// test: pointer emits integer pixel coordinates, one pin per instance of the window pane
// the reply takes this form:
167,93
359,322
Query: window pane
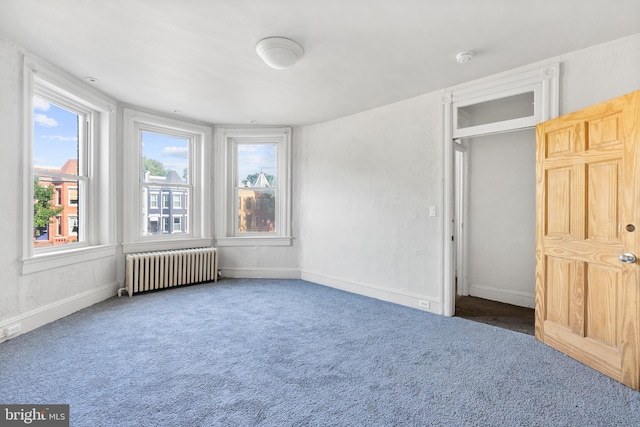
256,176
56,201
55,137
165,177
256,210
158,216
257,165
496,110
165,158
55,223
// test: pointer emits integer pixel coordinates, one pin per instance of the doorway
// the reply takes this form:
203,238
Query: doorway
494,229
506,102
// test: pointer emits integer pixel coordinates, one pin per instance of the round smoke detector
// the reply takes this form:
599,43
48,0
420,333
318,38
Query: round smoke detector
464,57
279,52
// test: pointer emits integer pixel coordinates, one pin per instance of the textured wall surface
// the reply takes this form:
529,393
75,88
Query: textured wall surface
366,183
599,73
10,86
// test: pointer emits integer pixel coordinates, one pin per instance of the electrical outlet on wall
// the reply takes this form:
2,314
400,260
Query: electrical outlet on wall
423,304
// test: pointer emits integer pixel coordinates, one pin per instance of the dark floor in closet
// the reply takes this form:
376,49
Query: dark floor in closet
495,313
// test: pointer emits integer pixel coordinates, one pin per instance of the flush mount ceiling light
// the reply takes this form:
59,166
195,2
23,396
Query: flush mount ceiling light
279,52
464,57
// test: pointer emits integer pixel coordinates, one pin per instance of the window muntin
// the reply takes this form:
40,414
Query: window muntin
165,170
59,157
256,191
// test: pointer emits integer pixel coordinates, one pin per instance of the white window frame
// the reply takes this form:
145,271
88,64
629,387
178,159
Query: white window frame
71,219
58,225
177,200
199,137
153,200
226,215
69,190
173,227
98,223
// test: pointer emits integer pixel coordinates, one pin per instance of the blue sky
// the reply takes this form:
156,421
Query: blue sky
171,151
55,134
254,158
55,140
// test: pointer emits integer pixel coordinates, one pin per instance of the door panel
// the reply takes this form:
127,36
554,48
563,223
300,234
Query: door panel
587,193
602,201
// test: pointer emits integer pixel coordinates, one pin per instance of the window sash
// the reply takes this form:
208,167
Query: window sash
80,192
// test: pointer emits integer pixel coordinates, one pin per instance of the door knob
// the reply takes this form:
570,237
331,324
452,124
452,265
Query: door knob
628,258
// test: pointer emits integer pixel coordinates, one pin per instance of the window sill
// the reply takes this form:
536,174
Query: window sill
165,244
253,241
63,258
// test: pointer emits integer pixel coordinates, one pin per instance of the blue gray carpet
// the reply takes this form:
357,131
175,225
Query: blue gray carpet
291,353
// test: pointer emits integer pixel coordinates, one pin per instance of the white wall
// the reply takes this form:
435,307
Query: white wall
501,224
37,298
260,261
599,73
366,182
365,185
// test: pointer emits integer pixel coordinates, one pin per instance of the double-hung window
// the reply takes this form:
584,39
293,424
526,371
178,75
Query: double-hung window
255,186
167,183
68,172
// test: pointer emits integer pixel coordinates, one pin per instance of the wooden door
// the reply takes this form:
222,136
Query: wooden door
587,216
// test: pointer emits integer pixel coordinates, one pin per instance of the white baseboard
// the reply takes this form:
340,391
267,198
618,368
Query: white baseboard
378,292
260,273
46,314
519,298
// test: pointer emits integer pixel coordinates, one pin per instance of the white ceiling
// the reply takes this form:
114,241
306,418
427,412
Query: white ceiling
198,56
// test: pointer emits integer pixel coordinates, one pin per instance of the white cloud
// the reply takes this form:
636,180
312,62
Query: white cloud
44,120
244,148
176,151
60,138
40,104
